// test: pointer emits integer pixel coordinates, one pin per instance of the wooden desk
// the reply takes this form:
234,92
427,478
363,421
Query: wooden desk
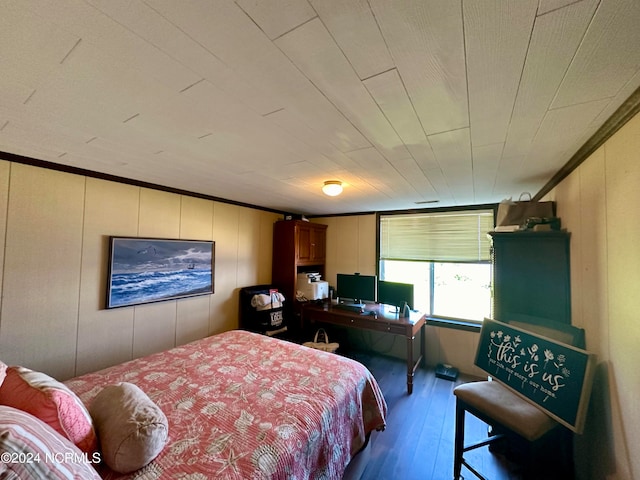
380,321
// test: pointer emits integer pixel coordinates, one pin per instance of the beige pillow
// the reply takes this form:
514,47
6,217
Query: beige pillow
131,428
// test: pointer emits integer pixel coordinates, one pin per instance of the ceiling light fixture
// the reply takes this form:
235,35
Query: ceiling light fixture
332,188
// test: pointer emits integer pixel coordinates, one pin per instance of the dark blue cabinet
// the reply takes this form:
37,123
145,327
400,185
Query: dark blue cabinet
531,275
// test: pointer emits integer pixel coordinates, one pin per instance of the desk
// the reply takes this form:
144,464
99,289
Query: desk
381,321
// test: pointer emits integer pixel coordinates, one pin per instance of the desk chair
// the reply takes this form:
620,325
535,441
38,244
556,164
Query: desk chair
510,416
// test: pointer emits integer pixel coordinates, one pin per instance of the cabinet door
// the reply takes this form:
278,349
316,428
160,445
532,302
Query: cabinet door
303,243
318,244
532,276
310,244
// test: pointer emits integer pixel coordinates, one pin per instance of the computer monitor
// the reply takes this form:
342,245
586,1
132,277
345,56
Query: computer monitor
356,287
395,294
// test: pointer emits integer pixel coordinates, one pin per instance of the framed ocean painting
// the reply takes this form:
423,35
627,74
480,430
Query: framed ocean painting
144,270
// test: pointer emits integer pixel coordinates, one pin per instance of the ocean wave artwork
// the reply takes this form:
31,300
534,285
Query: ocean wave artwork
150,270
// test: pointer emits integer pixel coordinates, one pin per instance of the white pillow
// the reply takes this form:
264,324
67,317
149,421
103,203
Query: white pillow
3,371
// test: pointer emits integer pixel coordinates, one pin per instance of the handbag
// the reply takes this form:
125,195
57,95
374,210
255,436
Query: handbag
512,213
321,342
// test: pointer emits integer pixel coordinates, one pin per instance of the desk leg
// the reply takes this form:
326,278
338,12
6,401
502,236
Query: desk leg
411,365
423,342
410,368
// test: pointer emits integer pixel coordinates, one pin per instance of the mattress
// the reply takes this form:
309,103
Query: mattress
246,406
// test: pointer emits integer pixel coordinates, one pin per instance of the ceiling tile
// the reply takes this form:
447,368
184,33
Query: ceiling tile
261,102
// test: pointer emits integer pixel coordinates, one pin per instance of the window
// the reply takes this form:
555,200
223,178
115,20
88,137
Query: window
445,254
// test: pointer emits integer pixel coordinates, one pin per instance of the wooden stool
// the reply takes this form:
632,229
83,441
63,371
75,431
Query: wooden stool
510,415
497,406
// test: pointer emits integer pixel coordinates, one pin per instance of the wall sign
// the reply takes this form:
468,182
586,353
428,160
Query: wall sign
555,376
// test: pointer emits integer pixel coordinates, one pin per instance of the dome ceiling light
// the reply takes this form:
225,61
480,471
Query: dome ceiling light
332,188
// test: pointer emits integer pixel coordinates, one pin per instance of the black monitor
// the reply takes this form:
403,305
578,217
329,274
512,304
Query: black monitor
356,287
395,294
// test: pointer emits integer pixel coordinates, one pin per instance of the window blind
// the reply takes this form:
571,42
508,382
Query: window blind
456,236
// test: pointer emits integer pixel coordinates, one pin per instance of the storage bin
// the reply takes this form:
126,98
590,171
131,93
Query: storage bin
262,310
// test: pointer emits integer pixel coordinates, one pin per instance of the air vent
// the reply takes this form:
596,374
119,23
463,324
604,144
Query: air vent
425,202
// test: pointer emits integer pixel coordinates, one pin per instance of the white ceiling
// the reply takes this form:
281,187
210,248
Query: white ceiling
260,101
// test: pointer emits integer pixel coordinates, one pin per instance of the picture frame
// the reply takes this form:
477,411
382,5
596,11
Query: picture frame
146,270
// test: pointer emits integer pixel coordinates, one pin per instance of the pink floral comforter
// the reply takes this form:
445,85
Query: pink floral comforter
246,406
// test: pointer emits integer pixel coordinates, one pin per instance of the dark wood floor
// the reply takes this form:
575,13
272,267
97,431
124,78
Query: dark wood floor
418,440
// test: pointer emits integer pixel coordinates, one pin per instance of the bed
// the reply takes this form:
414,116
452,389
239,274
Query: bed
240,405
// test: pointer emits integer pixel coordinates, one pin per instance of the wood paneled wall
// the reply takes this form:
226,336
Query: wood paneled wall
54,231
598,204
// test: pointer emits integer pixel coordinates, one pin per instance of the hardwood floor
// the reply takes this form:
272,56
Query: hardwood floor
418,440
